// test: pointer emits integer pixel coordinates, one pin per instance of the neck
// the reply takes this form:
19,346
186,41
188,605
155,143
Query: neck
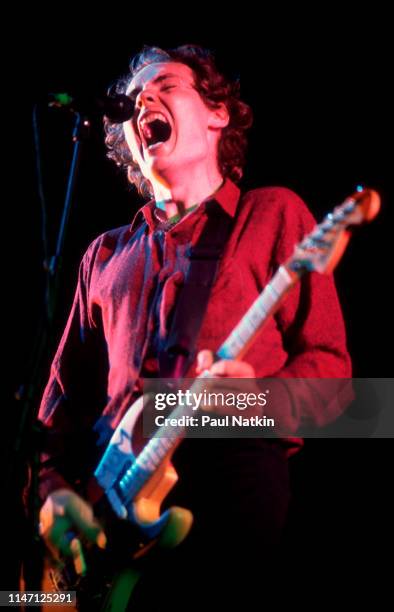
182,192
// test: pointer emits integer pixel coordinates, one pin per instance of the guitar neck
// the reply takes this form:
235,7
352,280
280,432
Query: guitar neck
267,303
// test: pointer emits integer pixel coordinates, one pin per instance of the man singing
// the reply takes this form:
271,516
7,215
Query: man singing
184,150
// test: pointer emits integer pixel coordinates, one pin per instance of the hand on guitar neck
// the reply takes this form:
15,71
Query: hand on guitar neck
227,368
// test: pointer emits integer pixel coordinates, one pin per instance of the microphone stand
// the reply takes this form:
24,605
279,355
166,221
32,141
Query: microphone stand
27,440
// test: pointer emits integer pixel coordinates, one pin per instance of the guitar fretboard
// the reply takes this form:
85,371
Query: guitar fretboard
258,314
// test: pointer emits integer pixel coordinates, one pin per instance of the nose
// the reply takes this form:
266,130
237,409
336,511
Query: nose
144,98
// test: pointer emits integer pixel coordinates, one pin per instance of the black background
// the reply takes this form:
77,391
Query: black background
319,87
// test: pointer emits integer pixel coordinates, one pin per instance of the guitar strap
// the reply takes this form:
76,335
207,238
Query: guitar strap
178,352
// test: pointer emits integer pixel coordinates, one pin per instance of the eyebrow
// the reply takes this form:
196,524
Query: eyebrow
158,79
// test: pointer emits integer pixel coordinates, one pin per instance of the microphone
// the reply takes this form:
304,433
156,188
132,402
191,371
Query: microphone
117,107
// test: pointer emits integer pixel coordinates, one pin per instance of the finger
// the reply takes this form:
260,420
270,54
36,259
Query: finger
82,516
204,361
231,368
78,557
47,517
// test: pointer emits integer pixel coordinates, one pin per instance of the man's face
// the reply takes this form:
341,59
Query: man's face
172,128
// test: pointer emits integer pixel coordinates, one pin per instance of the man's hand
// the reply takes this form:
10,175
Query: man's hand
65,512
228,368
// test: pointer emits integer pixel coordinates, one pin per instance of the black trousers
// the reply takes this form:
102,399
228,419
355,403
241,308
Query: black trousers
238,491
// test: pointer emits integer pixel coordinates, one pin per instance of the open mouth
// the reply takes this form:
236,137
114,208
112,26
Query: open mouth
154,129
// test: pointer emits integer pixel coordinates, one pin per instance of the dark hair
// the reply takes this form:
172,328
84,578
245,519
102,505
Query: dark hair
213,87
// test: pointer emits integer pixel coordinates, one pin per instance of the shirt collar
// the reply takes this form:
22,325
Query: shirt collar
227,196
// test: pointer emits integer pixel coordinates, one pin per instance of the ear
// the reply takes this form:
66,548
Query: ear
219,117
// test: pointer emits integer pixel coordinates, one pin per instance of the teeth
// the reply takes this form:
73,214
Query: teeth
152,117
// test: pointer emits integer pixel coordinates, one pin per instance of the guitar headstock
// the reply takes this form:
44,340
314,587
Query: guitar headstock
321,250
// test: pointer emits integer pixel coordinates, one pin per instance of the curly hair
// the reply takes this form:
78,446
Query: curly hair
213,87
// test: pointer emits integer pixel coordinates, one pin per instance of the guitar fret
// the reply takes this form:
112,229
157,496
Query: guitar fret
164,444
271,287
242,332
254,316
133,480
155,453
146,461
268,301
250,324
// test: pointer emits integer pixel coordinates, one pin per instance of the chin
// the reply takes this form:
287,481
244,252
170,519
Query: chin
159,166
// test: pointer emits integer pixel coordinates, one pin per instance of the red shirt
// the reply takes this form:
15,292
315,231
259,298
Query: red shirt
127,287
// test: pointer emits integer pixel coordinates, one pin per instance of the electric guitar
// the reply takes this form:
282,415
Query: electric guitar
133,482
